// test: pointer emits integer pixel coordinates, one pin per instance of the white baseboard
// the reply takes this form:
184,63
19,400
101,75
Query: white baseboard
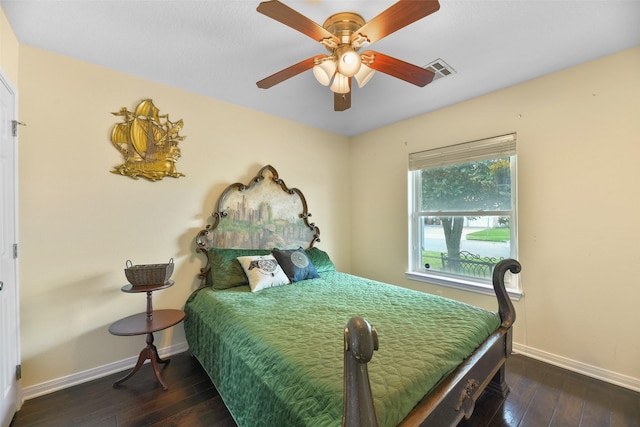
95,373
579,367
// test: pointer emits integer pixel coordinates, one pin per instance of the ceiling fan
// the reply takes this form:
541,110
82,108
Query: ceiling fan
343,34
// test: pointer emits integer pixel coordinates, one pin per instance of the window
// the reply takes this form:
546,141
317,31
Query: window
463,213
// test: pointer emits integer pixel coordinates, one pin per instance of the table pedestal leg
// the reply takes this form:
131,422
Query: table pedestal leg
149,352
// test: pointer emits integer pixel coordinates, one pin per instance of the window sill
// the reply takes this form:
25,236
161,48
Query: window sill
460,284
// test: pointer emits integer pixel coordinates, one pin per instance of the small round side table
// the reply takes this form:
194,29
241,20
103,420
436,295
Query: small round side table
147,323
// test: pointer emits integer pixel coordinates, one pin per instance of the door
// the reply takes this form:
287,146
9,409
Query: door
9,302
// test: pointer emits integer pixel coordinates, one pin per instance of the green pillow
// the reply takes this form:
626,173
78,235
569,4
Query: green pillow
320,260
226,272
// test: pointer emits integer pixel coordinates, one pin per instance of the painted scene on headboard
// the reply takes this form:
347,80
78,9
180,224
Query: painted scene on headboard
263,214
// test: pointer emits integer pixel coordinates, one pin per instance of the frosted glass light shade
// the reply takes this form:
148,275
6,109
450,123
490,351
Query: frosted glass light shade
324,71
348,61
364,74
340,84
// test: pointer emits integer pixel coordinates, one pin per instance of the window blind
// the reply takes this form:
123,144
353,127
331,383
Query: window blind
482,149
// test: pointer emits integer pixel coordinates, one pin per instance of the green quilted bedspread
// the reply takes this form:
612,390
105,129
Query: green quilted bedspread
276,356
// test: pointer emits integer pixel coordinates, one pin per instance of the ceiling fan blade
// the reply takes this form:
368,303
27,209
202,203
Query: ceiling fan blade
287,16
402,70
397,16
341,101
289,72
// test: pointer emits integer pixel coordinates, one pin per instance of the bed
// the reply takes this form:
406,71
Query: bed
289,341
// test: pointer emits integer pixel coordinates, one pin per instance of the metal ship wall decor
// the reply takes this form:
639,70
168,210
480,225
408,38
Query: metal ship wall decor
148,141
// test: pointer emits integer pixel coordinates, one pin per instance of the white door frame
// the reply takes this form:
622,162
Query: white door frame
10,357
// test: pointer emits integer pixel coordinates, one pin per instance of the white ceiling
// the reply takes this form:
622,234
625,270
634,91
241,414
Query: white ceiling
220,48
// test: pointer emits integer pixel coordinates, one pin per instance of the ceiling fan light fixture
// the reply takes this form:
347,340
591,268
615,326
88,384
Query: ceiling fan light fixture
324,71
340,84
343,34
364,74
348,60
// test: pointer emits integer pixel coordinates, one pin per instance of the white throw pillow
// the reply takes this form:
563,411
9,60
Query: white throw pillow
263,271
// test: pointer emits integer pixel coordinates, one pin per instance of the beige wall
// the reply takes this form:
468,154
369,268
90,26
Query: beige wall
79,223
578,198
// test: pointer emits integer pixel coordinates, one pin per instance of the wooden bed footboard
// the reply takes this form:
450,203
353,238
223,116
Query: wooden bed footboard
453,398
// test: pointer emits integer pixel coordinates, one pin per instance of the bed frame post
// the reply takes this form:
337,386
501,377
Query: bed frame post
360,341
498,383
505,307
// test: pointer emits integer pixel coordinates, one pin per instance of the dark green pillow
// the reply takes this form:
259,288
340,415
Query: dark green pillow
320,260
226,272
296,264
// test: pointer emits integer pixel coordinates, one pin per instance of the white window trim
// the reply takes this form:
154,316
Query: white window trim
432,158
513,289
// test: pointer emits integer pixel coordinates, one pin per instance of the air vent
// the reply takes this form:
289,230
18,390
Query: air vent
440,68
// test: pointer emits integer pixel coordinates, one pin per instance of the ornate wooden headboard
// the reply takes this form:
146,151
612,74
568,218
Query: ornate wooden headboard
263,214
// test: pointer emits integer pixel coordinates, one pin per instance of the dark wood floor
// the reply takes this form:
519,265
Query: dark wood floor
541,395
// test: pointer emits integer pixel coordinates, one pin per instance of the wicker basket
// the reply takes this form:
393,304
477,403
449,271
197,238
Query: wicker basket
148,274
